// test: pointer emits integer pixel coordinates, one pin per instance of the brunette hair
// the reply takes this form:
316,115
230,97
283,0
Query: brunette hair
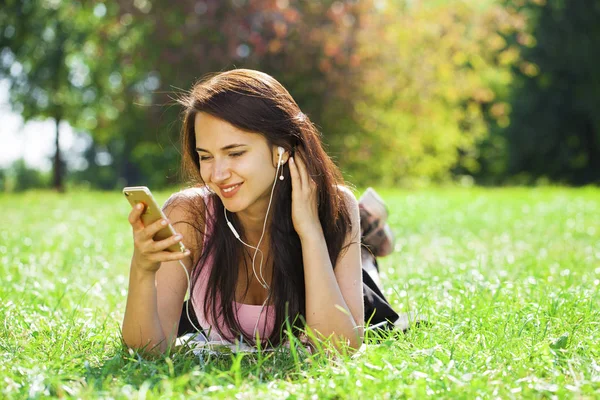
255,102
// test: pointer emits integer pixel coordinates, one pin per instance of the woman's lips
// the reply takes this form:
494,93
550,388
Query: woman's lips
230,191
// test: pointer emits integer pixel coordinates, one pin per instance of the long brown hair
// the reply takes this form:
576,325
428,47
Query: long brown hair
255,102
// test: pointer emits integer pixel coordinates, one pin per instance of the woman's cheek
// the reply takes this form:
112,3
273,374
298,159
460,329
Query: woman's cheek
204,173
243,168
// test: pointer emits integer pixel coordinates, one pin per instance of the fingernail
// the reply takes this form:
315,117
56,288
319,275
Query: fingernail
163,222
292,159
178,237
139,206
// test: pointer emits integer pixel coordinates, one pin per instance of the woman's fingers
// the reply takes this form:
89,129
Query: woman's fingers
163,256
303,171
304,178
165,243
308,184
144,239
296,181
135,217
154,227
148,253
151,248
305,214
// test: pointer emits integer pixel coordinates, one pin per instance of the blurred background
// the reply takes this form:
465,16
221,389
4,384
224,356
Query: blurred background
406,93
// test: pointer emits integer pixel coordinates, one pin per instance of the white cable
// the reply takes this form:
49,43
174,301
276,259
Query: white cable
258,245
259,314
256,249
264,283
187,307
265,224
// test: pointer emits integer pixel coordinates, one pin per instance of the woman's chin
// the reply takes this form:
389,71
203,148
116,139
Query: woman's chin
232,205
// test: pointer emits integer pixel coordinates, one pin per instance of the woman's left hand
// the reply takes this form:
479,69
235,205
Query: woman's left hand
305,208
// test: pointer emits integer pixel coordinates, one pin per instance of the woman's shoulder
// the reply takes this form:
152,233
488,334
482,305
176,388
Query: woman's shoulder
187,195
186,202
186,210
350,202
347,195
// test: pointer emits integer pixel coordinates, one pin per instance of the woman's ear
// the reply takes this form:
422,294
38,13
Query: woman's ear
285,155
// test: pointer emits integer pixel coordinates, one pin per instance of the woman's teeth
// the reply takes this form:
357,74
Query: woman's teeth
231,188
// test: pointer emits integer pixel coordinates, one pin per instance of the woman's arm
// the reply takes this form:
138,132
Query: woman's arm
156,293
334,302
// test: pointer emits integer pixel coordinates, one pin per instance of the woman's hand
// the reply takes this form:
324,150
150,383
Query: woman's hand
305,208
149,254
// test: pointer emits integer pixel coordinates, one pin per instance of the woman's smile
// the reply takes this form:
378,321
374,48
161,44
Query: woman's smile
228,191
239,166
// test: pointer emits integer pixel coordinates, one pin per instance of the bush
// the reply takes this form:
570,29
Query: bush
426,77
19,177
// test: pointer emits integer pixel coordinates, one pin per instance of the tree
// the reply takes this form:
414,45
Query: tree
305,45
60,65
35,45
554,127
426,75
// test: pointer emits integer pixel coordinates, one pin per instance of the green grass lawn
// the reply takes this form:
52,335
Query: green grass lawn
509,279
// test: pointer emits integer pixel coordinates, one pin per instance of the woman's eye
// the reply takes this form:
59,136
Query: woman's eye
239,153
204,158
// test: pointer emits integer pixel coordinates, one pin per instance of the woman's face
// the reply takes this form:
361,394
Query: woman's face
238,166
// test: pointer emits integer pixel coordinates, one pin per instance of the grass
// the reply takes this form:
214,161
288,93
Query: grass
508,277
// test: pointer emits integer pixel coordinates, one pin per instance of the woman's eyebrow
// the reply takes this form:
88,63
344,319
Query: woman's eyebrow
228,147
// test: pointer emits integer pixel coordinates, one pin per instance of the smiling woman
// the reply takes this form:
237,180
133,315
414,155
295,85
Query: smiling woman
230,158
273,234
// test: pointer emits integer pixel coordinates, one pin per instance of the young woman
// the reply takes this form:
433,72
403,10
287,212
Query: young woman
273,236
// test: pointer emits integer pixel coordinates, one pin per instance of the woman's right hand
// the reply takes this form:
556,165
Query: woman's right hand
148,254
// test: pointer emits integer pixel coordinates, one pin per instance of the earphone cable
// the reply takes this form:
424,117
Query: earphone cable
187,305
257,250
265,224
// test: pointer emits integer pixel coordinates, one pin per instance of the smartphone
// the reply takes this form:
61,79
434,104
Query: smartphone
152,213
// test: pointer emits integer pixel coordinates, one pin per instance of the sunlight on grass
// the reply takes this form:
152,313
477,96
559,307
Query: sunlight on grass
508,279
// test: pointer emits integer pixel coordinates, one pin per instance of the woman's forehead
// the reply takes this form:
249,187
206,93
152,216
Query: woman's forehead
213,133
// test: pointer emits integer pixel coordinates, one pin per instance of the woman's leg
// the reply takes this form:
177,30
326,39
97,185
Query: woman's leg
378,311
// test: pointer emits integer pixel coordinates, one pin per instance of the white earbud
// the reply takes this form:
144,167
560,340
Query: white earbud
280,151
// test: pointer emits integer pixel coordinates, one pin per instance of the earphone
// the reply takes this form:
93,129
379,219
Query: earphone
261,280
280,151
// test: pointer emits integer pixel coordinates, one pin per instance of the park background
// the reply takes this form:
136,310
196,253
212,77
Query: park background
475,120
406,93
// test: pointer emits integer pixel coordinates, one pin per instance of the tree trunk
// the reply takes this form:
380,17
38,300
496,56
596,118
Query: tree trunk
58,184
592,175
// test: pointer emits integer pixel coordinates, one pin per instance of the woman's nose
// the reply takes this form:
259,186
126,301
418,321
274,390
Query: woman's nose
220,171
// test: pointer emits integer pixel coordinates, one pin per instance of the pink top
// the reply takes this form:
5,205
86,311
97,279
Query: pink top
247,314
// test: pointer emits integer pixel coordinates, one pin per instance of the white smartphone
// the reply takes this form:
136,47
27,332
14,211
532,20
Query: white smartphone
152,213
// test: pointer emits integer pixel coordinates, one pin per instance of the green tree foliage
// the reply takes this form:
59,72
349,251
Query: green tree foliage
426,75
554,129
3,181
398,83
400,90
41,57
305,45
62,63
